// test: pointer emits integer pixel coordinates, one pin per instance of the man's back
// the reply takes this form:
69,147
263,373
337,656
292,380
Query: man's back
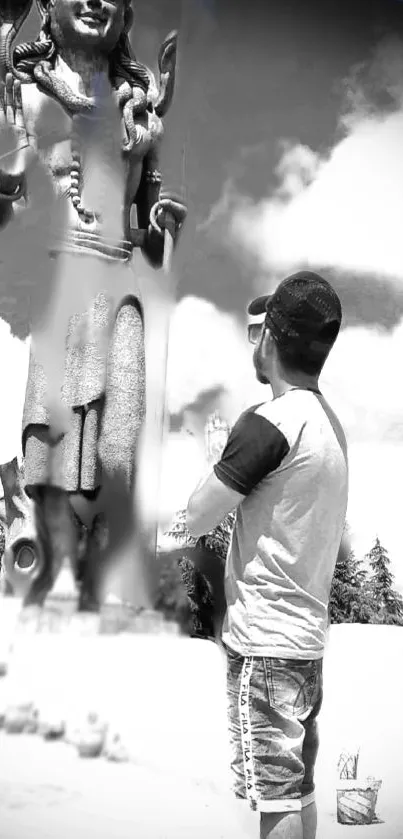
284,469
288,527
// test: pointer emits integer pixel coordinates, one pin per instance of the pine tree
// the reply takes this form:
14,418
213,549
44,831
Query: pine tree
349,600
388,602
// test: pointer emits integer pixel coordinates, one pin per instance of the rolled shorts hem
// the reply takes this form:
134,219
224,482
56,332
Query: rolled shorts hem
281,805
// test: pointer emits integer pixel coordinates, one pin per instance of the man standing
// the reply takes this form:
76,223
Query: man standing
285,470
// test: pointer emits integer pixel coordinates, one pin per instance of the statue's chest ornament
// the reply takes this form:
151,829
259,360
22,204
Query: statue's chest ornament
76,182
141,129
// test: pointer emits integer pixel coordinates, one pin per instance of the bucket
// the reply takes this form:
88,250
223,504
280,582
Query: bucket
356,801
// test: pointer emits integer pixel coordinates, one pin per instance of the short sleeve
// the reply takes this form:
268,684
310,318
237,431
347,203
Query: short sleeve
255,448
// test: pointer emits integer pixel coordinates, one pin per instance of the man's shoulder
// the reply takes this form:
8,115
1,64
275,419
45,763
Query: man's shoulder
335,423
255,447
260,416
297,410
279,415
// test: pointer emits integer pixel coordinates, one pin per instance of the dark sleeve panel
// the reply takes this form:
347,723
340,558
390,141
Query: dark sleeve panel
255,448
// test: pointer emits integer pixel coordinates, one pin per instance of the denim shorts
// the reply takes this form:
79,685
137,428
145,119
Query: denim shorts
273,705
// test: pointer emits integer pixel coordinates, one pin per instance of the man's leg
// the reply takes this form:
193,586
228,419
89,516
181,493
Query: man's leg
290,825
272,710
281,826
267,769
309,754
309,816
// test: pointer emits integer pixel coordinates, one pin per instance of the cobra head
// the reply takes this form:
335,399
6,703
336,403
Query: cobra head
12,16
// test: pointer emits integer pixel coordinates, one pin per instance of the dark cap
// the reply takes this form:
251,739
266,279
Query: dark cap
304,313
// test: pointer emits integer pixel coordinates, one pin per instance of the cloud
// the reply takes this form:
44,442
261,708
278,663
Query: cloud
362,381
208,350
296,170
210,366
342,211
339,208
376,86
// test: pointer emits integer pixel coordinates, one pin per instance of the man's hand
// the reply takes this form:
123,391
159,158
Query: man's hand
217,433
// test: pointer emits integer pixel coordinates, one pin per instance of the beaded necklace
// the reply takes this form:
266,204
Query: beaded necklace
76,180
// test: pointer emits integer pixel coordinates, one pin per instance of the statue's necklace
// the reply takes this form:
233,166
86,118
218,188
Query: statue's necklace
87,216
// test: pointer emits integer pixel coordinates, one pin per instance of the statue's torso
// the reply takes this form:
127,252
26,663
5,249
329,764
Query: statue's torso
111,192
108,183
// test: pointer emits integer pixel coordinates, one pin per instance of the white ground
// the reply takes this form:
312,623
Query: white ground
167,698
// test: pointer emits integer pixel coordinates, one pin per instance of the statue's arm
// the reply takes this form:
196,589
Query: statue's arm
148,194
157,210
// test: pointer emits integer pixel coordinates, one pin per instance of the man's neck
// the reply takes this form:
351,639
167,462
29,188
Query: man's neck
280,385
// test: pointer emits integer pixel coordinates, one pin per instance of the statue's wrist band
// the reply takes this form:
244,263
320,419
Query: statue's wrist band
154,226
155,230
153,176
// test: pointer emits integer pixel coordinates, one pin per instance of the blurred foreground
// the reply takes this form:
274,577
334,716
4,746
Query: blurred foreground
166,697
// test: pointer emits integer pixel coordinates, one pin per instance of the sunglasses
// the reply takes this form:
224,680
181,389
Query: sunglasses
255,331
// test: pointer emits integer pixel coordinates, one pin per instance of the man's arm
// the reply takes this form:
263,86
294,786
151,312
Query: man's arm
209,504
255,448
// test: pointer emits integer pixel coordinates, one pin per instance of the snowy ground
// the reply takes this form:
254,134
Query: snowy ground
167,697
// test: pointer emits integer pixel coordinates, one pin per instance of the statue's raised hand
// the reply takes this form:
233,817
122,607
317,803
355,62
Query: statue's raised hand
16,147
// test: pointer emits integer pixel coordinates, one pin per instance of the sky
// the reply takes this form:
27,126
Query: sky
285,135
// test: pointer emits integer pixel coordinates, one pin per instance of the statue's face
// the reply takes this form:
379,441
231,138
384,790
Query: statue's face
96,24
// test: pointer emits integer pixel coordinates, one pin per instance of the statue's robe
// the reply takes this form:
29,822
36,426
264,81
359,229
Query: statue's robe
107,402
105,391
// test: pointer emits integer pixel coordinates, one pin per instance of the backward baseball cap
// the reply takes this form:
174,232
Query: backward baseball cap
304,314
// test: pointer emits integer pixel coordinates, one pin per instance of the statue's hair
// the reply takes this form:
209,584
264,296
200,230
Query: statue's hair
123,65
132,80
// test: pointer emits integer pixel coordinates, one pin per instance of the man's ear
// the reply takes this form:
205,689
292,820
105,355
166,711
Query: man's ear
268,342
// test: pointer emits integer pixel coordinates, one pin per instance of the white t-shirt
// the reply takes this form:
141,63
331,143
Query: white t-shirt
288,457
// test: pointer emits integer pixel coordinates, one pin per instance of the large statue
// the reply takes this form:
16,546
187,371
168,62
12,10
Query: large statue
83,47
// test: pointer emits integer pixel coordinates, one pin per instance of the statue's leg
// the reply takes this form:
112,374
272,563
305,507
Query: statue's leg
69,463
92,564
122,420
58,533
51,468
125,402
